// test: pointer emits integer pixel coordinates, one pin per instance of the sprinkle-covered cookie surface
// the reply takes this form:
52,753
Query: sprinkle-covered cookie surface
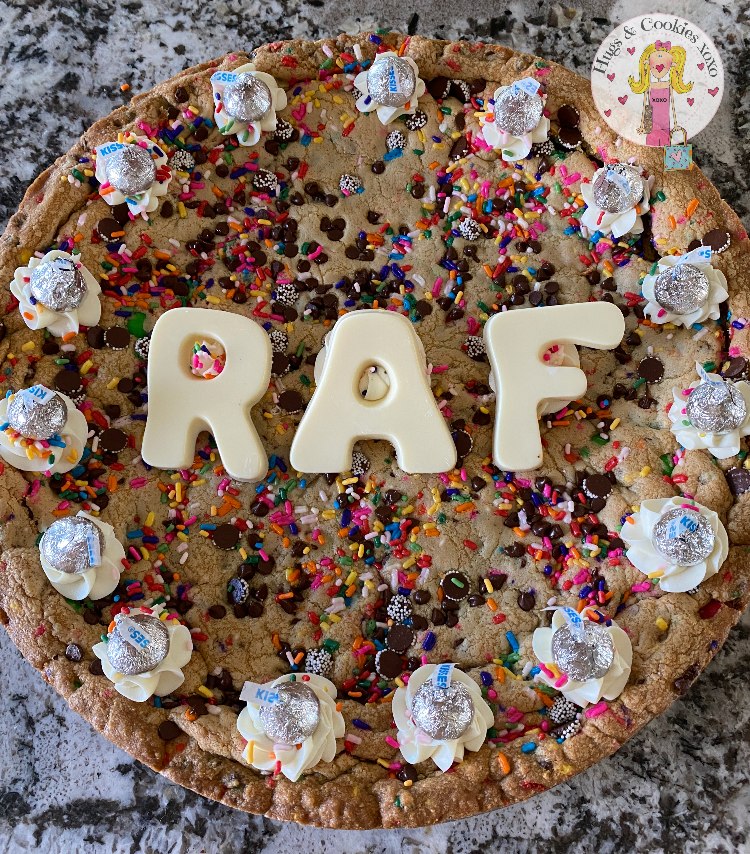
285,646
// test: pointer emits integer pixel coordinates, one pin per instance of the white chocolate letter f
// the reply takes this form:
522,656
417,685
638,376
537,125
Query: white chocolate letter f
180,404
515,342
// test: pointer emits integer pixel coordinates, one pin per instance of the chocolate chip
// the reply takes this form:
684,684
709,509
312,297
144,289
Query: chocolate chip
421,597
400,638
181,95
459,149
121,213
526,600
291,401
738,480
378,167
73,652
95,337
217,612
389,664
112,441
168,730
651,369
95,668
167,209
225,536
50,347
197,705
682,683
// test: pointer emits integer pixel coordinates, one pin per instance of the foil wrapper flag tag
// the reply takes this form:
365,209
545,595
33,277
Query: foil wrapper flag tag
93,549
527,84
575,623
132,632
259,695
37,395
441,678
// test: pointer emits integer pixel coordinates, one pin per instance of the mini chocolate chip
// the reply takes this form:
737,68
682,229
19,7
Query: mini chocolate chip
378,167
217,612
168,731
526,600
73,652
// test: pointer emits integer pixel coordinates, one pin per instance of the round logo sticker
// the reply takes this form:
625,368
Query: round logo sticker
657,80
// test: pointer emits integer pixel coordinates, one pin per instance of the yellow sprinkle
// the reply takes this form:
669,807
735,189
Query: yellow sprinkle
206,692
28,346
645,470
86,367
661,624
113,383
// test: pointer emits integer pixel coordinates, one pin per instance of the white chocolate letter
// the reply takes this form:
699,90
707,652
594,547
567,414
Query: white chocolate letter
338,414
180,404
515,342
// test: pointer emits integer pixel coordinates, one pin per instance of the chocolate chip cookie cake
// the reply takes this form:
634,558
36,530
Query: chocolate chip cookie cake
469,608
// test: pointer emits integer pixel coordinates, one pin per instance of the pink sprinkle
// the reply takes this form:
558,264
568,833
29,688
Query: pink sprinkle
561,681
641,587
595,711
264,555
547,672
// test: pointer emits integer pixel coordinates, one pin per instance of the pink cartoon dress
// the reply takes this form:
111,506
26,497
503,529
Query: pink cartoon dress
660,121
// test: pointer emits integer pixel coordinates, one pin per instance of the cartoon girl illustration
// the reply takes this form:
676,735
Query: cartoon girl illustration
661,67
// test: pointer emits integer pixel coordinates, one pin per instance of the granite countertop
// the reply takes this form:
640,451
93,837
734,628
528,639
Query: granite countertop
681,785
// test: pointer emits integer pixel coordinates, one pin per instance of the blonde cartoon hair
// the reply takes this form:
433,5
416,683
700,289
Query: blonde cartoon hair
675,72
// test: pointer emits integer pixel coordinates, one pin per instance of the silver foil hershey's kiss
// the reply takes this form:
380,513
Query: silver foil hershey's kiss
443,713
681,289
295,717
589,657
683,536
132,659
716,407
516,111
58,284
65,544
247,98
391,81
618,188
131,169
36,420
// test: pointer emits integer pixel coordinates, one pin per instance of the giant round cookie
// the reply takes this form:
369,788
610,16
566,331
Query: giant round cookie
280,576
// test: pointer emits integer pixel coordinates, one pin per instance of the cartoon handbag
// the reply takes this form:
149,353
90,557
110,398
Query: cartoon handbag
678,156
647,117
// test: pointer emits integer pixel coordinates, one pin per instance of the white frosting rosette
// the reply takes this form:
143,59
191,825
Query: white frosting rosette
627,222
513,147
138,203
295,759
248,133
56,455
721,445
36,315
607,687
97,581
366,103
638,531
717,292
416,745
164,678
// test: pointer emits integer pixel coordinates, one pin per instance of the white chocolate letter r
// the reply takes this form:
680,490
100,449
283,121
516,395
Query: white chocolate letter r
515,342
180,404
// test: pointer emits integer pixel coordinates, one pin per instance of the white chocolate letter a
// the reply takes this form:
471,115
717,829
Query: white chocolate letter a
515,342
406,416
180,404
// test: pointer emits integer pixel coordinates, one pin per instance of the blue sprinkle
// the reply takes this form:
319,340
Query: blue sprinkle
513,641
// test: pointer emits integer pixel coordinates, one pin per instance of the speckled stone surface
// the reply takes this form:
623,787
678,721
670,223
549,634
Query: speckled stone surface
681,785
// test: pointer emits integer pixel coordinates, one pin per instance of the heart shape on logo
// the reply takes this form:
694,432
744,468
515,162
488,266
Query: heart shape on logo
713,92
691,101
701,66
610,77
659,67
677,156
631,50
608,113
622,99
